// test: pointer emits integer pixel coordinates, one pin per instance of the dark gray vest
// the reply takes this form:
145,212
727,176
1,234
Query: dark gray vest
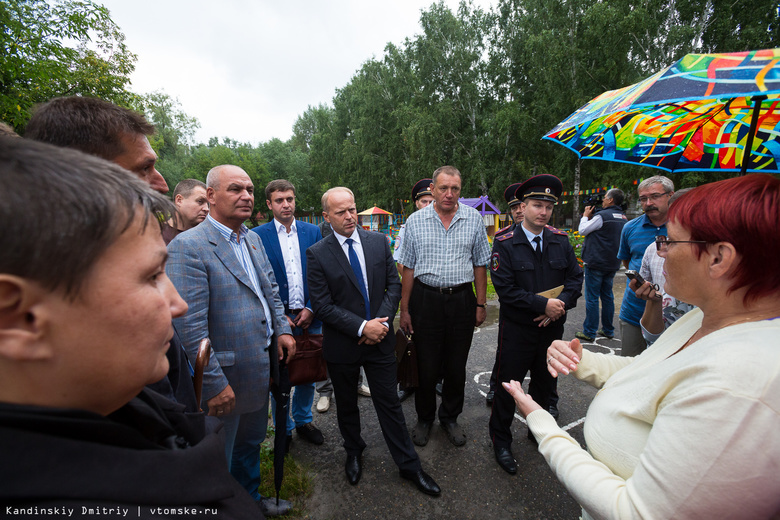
601,247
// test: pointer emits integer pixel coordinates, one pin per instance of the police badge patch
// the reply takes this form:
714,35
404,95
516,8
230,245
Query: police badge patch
494,261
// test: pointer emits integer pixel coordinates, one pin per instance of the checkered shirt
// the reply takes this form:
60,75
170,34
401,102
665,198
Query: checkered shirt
445,257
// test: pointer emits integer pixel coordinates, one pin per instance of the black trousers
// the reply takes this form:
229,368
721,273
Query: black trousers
443,328
521,348
381,374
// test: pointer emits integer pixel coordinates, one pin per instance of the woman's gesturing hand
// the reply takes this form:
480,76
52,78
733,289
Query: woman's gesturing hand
563,356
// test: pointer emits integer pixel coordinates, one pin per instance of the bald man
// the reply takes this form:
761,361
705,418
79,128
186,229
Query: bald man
222,272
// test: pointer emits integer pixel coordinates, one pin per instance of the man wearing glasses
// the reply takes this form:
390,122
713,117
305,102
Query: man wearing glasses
654,195
662,309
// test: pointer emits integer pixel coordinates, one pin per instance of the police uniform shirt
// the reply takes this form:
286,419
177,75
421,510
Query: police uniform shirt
518,278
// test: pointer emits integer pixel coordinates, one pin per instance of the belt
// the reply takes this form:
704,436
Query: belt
444,290
294,311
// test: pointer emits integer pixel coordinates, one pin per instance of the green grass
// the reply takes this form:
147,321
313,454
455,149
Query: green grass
296,485
491,291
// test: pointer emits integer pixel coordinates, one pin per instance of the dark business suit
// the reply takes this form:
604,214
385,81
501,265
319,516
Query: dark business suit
338,302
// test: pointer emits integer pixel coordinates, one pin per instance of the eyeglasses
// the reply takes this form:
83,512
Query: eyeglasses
653,196
662,242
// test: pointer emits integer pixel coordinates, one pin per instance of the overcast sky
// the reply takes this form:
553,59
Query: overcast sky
247,69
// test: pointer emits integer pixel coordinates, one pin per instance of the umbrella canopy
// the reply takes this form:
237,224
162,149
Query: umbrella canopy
702,113
374,211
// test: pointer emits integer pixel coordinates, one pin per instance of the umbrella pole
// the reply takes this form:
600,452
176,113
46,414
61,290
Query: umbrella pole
747,155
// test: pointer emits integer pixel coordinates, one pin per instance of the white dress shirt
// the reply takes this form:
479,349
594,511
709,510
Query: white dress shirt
291,253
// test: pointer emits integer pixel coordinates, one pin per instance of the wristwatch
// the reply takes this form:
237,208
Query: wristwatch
481,305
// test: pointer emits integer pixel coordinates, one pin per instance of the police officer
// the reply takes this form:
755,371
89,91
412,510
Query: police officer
422,196
516,212
537,278
515,205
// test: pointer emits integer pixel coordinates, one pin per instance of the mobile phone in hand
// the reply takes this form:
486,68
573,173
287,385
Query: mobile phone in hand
633,275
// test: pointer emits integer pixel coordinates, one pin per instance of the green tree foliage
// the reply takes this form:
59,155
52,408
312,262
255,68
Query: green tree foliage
314,133
59,48
286,161
179,159
478,89
174,128
475,88
175,132
201,158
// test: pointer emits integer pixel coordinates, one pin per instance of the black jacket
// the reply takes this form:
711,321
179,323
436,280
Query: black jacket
518,277
601,246
337,300
148,457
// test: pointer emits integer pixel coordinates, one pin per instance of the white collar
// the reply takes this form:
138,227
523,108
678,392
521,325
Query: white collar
280,227
354,236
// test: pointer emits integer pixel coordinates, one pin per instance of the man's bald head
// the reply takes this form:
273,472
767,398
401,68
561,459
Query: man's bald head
231,195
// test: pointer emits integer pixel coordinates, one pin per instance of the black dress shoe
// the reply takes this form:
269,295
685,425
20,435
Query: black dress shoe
423,481
405,393
554,411
489,397
506,460
353,468
310,433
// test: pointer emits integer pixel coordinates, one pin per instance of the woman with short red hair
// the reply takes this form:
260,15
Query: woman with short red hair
689,428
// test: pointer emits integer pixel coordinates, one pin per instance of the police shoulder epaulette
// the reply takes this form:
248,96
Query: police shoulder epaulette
504,229
557,231
505,236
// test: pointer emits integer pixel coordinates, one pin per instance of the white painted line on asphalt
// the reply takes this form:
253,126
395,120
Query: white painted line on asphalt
572,425
519,417
607,348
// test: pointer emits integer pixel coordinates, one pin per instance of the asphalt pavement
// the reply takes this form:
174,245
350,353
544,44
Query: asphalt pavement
473,485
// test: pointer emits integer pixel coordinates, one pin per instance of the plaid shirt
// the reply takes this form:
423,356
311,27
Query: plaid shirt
445,257
237,243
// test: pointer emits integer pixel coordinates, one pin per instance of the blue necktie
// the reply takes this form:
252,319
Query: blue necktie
354,262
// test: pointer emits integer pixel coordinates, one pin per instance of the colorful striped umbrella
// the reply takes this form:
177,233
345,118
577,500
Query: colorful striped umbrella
701,113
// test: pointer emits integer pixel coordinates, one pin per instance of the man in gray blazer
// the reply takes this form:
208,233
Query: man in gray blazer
354,289
222,272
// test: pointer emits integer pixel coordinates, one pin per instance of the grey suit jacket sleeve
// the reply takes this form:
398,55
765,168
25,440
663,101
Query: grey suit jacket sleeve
188,273
268,285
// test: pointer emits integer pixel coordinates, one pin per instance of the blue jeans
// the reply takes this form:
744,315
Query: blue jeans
243,436
598,284
302,396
